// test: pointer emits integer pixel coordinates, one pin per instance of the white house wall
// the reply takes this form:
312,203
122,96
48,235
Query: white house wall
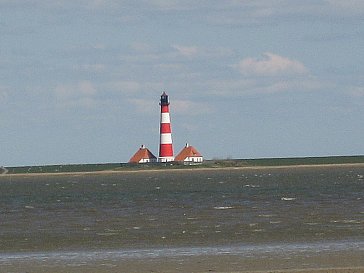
194,159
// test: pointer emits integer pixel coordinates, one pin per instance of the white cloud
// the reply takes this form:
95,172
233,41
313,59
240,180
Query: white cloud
141,47
125,86
226,87
142,53
271,65
63,91
187,51
166,5
182,107
81,102
357,91
169,67
98,68
140,58
82,88
348,5
99,3
3,95
147,106
230,12
235,88
294,85
202,52
86,88
80,94
263,12
187,107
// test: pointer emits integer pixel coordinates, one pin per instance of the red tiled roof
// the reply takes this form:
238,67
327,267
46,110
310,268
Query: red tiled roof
142,153
187,151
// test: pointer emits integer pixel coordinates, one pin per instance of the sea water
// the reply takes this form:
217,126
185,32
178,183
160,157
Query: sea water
198,212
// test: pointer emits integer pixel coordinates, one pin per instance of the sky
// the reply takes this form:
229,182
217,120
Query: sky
80,80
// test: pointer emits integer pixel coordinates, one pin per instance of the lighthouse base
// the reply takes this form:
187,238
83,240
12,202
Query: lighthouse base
165,159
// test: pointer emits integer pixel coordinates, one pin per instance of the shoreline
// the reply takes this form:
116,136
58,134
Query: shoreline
326,262
203,169
282,260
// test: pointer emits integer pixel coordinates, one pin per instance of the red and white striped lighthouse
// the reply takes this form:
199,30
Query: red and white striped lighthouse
165,144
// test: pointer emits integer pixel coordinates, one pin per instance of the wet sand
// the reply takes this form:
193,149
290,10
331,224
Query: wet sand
321,263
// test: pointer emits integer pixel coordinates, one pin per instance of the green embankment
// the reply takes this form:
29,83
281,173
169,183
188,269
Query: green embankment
174,165
63,168
301,161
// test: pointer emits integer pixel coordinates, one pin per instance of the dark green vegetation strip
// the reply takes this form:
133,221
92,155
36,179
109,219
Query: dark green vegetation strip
304,161
63,168
177,165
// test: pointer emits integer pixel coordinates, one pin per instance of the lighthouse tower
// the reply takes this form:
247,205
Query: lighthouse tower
165,144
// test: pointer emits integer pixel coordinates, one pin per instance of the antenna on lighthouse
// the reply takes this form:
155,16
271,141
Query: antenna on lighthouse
165,144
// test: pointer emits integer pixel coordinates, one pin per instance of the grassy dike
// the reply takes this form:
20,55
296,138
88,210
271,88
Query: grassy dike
268,162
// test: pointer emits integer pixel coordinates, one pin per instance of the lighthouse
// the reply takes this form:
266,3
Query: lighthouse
165,143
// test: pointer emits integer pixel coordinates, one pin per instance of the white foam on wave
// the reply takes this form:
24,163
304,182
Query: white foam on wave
288,198
258,230
311,223
106,233
352,221
222,208
267,215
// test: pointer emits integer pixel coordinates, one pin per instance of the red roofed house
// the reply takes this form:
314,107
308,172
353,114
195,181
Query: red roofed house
189,155
143,155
